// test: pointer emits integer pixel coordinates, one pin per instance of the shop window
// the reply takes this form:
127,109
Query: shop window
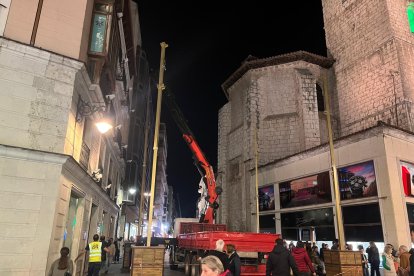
357,181
267,224
309,190
266,198
72,221
321,220
362,223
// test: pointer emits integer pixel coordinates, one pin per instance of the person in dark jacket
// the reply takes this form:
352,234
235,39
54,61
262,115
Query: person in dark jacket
373,258
280,261
234,260
219,253
302,259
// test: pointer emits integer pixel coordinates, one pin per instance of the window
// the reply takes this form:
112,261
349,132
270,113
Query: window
100,21
320,98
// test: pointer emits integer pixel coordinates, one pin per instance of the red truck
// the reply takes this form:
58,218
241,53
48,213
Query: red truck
193,238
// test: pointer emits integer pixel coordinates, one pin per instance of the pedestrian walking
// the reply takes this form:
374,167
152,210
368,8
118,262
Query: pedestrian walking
364,260
388,261
104,253
111,253
373,258
212,266
280,261
95,256
302,260
117,251
62,266
234,260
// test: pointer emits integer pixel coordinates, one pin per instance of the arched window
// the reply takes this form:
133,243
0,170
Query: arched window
320,99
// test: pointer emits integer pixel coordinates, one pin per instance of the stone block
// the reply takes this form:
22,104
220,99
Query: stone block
14,261
22,62
20,201
19,230
16,76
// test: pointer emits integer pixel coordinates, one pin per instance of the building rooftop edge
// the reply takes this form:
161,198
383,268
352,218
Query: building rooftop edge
252,62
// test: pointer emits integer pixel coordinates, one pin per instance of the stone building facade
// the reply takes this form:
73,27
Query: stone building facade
277,103
60,178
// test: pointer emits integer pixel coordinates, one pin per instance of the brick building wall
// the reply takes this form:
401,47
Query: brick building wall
372,45
279,103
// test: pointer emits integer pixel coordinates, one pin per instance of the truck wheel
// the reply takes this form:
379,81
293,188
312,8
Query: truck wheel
187,265
195,266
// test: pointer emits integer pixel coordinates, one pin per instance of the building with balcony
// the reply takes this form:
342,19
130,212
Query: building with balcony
63,68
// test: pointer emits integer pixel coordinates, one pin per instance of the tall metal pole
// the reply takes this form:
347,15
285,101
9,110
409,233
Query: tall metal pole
257,180
339,222
144,168
160,87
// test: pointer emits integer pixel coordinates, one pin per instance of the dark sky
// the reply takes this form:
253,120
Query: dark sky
207,43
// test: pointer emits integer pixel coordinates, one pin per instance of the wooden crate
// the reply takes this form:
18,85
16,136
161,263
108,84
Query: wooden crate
347,263
148,261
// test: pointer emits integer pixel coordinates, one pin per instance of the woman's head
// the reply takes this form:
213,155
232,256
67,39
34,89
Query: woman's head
211,266
64,259
64,252
402,249
388,249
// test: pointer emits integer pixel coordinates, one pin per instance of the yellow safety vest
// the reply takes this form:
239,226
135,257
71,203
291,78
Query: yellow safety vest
95,252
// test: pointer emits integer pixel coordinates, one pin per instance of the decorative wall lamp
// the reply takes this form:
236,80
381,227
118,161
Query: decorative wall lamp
85,109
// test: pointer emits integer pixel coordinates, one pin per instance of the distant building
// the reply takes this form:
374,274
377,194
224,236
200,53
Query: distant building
63,68
278,102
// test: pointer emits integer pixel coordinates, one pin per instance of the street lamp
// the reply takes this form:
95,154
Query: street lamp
85,109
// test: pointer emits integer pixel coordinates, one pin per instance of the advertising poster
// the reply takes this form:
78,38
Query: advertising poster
266,198
407,174
309,190
357,181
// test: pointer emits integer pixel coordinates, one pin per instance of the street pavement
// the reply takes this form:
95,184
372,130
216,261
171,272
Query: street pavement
115,269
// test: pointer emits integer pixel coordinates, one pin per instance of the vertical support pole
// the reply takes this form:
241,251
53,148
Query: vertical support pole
339,222
257,180
160,87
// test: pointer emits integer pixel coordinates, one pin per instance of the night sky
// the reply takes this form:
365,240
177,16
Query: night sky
207,43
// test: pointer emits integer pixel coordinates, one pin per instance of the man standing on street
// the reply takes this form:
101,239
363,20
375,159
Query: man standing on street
373,258
95,255
280,261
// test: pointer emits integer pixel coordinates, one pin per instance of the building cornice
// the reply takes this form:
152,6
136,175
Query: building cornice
253,63
381,128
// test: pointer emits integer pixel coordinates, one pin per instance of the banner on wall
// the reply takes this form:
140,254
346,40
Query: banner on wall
407,175
357,181
266,198
315,189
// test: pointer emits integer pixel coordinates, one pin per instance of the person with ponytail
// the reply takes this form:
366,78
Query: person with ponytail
62,266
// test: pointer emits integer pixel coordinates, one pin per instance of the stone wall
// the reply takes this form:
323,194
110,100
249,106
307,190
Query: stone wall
275,107
373,48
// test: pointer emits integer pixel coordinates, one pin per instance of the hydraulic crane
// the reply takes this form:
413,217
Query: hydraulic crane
208,189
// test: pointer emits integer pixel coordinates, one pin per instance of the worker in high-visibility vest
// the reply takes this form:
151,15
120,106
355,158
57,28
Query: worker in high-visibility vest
95,255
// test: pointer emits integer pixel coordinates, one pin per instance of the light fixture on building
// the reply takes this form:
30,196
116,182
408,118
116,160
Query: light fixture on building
147,194
97,175
132,191
85,109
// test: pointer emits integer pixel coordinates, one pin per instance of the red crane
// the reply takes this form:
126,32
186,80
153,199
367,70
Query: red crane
207,213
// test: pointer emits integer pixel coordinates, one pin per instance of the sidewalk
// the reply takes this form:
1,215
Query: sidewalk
115,269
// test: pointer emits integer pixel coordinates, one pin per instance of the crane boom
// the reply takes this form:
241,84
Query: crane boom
207,215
